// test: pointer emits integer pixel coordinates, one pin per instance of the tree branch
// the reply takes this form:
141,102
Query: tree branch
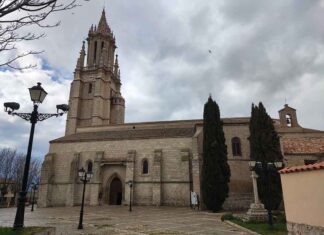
31,12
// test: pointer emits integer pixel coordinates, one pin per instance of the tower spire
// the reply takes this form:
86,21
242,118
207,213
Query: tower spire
103,25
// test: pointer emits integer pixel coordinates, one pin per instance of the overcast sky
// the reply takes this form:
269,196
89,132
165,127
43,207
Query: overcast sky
173,54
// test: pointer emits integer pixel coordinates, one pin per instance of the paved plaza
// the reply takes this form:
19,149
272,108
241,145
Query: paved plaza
118,220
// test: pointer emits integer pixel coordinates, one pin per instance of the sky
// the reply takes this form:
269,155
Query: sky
173,54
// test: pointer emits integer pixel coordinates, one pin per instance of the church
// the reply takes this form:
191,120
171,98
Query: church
162,159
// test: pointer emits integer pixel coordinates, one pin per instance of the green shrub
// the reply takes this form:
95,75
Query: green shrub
227,216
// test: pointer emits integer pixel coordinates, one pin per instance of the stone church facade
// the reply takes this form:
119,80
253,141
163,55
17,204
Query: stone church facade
163,159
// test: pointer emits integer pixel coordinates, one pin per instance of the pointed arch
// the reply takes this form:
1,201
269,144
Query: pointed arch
145,166
111,182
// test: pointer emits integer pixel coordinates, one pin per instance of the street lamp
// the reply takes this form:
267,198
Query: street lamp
266,168
34,188
130,184
84,177
37,95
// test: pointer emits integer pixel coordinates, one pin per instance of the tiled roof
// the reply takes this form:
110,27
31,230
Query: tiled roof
316,166
127,134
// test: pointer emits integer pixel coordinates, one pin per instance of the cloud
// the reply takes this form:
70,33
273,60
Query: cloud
14,130
173,54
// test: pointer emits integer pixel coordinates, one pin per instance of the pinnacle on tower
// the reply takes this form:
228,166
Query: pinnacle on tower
116,66
80,62
103,25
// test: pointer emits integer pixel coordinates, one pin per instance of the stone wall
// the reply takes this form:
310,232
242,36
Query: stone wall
174,168
238,201
300,144
303,229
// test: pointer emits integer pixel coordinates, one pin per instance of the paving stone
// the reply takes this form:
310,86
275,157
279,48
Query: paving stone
118,220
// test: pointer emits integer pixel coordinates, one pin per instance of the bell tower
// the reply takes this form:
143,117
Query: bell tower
95,98
288,117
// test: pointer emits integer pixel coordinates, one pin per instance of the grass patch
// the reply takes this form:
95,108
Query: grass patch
278,228
103,226
23,231
263,228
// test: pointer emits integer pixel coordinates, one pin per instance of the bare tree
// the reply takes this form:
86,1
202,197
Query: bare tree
18,14
12,170
7,156
34,172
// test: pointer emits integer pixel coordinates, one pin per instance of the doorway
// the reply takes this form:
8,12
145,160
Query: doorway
115,192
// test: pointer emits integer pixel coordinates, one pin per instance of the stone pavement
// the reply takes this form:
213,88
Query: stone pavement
118,220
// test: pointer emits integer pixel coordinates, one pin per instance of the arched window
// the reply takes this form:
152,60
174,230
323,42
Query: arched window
236,146
90,88
145,167
89,166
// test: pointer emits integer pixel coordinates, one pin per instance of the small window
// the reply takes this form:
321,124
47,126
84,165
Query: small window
89,167
145,167
102,45
236,146
90,88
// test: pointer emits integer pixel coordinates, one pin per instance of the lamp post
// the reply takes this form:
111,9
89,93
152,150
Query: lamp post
84,177
130,184
37,95
34,188
266,168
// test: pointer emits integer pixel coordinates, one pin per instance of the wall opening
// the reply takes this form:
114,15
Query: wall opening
288,120
145,167
115,192
95,51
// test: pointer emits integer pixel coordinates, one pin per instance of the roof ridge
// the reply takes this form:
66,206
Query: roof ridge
291,169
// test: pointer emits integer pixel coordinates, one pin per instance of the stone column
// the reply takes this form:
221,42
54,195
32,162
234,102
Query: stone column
97,105
95,182
74,103
256,211
71,192
254,177
47,178
156,178
129,176
195,164
187,173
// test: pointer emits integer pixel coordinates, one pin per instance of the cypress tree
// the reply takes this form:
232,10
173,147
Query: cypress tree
265,147
215,169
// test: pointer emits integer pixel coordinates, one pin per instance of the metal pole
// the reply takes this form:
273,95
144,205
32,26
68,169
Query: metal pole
33,201
130,198
20,213
266,171
82,204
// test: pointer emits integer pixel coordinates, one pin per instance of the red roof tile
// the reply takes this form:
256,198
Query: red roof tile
290,169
